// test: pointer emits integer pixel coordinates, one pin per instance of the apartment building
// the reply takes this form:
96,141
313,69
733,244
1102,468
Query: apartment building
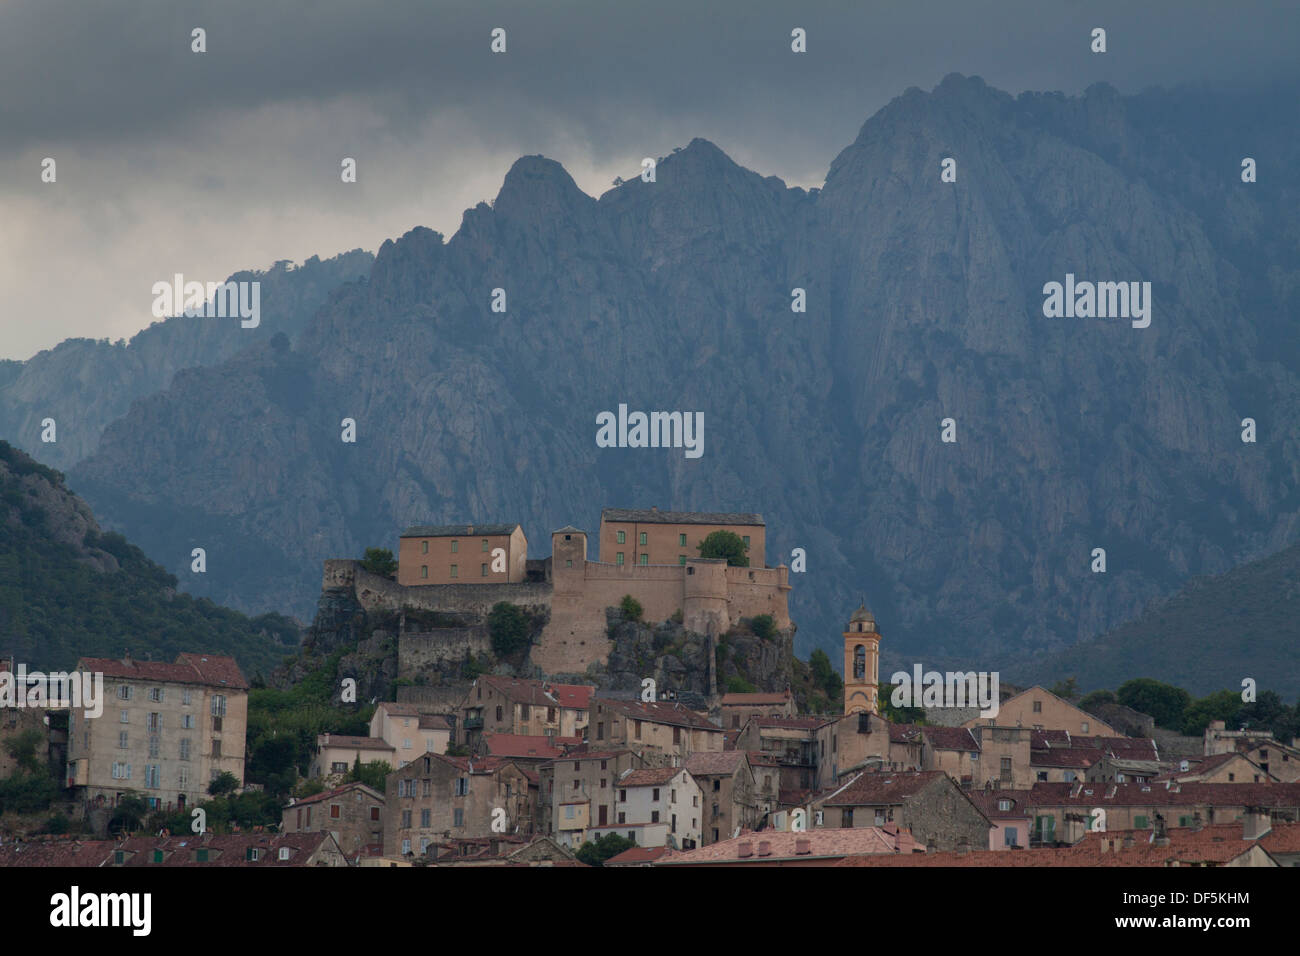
166,732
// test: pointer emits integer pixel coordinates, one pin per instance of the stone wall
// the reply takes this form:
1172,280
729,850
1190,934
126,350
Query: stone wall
419,651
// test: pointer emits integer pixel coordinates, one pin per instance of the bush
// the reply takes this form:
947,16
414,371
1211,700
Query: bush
379,561
738,685
596,852
508,626
224,783
631,608
763,626
726,544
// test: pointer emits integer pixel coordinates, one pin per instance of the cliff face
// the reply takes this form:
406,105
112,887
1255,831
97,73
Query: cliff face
924,302
84,384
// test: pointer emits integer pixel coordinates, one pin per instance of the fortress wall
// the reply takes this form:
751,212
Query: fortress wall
419,650
767,592
378,593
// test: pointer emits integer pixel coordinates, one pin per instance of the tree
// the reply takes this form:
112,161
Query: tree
24,792
379,561
631,608
726,544
23,749
1096,699
128,814
1065,689
738,685
372,774
1222,705
596,852
763,626
223,783
508,626
823,673
1164,702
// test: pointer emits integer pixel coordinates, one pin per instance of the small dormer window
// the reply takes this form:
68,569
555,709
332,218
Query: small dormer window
284,853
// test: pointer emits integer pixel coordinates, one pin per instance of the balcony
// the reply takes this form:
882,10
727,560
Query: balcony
473,723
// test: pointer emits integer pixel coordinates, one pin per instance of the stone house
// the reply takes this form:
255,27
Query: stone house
667,727
353,814
929,803
727,783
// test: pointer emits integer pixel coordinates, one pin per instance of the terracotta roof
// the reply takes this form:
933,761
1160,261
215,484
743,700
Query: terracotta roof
650,777
662,712
793,723
522,746
336,792
1128,748
872,788
655,516
575,696
749,847
742,700
637,856
396,709
225,849
904,733
1156,794
55,851
209,670
1076,758
950,738
705,764
434,722
988,800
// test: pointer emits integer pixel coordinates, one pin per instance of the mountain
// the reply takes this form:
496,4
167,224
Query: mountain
925,302
67,590
1209,636
84,384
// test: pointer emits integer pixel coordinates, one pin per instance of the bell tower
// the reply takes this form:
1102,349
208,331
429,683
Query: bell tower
861,663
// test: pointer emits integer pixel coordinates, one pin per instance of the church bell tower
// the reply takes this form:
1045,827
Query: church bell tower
861,663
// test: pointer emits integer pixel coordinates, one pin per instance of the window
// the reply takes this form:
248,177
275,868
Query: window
622,537
187,721
121,740
568,812
374,813
126,716
745,539
426,818
218,705
455,546
482,570
153,746
153,723
880,818
642,538
1010,837
681,540
681,559
151,776
124,692
654,816
424,547
1084,725
846,817
645,558
424,570
156,694
1004,805
1038,707
717,785
619,558
216,748
284,853
622,818
406,819
568,562
424,845
1042,776
523,711
622,796
186,697
340,766
201,856
406,848
455,571
656,794
458,817
604,782
157,856
426,789
462,786
334,811
1140,822
500,712
485,544
637,730
406,743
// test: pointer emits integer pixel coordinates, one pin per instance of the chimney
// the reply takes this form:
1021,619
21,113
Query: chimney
1255,823
802,847
1197,822
764,847
745,850
126,657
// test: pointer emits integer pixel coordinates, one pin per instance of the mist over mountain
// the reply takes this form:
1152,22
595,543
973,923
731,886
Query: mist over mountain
924,302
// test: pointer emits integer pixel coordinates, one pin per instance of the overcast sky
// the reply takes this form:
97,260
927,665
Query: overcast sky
171,161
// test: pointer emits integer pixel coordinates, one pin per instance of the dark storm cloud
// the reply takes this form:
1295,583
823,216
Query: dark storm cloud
172,161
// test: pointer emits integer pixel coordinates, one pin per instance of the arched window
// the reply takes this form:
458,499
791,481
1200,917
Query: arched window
859,663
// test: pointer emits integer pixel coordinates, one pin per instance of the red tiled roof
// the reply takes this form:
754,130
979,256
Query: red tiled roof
660,711
871,788
434,722
336,792
525,691
904,733
988,800
1078,758
1155,794
637,855
353,743
522,746
650,777
209,670
809,845
792,723
950,738
742,700
576,696
704,764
